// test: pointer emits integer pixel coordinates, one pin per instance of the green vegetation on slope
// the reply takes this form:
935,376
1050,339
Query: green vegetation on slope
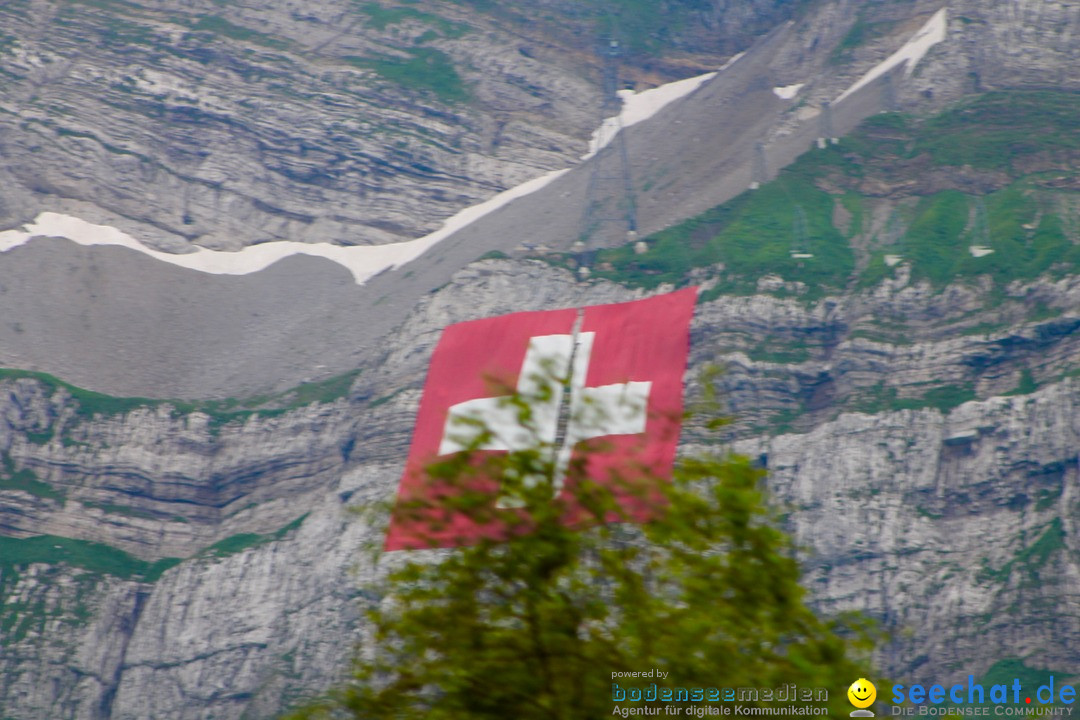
18,618
238,543
1025,138
107,560
22,614
861,32
426,69
1032,558
1004,671
1026,237
996,130
380,17
752,236
944,398
95,557
91,404
26,481
220,26
932,241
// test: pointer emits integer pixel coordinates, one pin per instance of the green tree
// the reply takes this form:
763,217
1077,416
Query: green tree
583,579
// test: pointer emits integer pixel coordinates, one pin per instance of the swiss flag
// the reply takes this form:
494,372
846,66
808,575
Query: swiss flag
627,359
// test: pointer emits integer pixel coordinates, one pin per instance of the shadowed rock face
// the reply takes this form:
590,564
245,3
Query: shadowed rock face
953,525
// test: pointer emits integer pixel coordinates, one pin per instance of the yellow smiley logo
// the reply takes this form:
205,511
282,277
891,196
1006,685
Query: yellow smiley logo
862,693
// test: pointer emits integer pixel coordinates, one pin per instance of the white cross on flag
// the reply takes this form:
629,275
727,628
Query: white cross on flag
625,365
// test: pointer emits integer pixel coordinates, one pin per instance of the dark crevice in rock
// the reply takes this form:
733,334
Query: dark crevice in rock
127,631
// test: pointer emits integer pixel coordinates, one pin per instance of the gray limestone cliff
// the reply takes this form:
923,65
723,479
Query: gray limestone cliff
348,122
192,559
263,603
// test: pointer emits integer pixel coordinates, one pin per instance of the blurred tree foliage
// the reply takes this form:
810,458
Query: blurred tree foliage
572,587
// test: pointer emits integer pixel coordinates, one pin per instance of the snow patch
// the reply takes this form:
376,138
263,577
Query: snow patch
787,92
641,106
910,54
363,261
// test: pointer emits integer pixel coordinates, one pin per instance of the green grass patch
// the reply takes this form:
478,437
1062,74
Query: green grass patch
643,27
1004,671
92,404
885,399
784,421
928,514
95,557
780,354
993,130
943,398
889,337
1041,311
989,132
238,543
1032,558
121,33
380,17
752,235
220,26
876,272
987,328
27,481
1048,498
755,233
861,32
40,438
1027,239
932,244
323,391
854,204
425,70
1026,386
385,398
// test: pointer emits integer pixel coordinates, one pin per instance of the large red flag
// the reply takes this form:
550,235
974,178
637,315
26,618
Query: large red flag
627,360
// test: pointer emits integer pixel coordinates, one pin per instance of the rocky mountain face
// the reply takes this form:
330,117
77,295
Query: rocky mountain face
226,124
957,519
229,125
909,381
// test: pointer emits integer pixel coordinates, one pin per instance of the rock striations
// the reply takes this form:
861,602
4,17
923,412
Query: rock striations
188,559
274,567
